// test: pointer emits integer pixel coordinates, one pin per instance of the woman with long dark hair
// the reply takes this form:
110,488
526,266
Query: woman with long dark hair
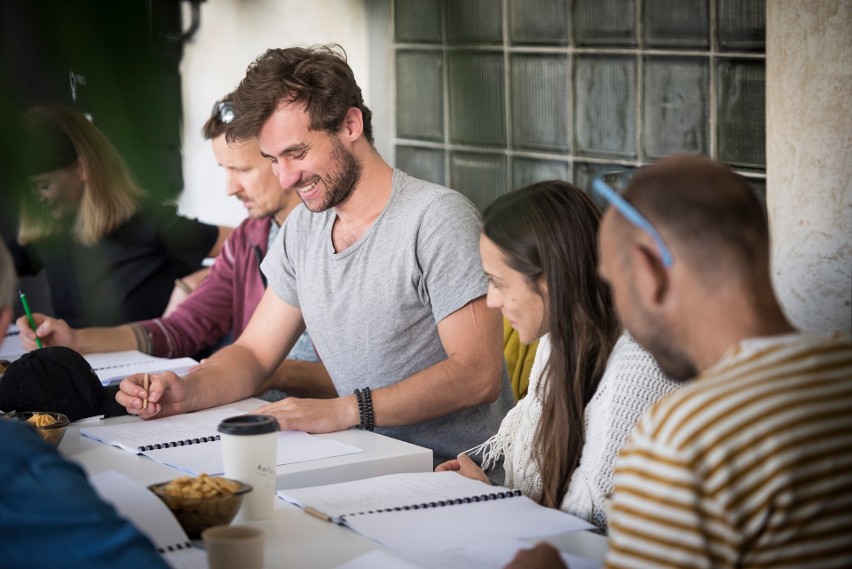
589,382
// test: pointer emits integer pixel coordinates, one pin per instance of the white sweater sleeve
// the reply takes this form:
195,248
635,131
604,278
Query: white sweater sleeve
631,383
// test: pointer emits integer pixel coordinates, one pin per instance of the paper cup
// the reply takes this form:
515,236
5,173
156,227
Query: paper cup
234,547
249,444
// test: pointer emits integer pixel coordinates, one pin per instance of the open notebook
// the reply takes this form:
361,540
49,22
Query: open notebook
190,442
110,367
418,513
151,517
10,346
115,366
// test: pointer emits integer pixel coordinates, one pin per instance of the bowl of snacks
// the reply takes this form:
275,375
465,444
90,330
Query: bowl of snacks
201,502
50,425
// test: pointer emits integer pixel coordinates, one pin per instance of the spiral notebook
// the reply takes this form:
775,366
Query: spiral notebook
112,367
190,442
150,516
431,511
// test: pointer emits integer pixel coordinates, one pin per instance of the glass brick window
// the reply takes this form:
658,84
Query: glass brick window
492,95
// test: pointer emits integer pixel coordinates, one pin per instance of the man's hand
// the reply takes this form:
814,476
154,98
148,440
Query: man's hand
167,395
465,466
314,415
51,331
542,556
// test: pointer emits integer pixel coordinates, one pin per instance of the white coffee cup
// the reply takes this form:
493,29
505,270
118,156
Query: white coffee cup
249,444
234,547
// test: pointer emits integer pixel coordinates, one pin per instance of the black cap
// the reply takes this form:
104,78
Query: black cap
56,379
249,425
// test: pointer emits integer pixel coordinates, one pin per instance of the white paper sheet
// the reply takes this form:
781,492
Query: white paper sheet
10,347
195,458
151,517
455,527
111,367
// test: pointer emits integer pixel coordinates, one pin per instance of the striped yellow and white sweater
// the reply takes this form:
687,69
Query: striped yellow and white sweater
749,465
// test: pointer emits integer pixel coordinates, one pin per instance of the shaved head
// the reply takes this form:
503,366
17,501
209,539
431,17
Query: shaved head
717,231
709,213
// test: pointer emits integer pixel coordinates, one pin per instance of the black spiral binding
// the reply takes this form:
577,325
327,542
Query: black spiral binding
175,547
442,503
185,442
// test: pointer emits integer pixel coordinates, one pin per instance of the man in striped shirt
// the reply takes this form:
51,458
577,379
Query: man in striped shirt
750,464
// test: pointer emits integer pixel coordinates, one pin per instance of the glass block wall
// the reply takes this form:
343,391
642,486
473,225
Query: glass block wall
492,95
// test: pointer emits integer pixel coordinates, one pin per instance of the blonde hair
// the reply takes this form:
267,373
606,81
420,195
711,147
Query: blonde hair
8,277
111,196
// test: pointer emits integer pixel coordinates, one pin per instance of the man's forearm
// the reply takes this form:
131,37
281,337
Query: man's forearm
436,391
299,378
113,339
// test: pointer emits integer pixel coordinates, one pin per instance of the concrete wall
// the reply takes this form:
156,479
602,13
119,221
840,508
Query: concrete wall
232,34
809,159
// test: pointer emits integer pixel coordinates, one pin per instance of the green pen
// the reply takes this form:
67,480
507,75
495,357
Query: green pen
29,315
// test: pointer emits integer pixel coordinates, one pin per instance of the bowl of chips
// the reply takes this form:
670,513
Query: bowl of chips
203,501
50,425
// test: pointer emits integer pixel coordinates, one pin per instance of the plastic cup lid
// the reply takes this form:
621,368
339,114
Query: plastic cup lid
249,425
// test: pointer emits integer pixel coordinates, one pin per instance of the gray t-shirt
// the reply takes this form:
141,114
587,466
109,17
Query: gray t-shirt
373,309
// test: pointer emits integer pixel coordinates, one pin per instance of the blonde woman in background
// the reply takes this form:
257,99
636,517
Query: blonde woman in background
111,254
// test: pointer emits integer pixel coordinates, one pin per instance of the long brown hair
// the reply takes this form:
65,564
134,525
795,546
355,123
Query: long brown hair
549,231
111,197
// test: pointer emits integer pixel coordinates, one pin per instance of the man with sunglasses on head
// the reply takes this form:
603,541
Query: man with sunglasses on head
383,268
750,463
224,301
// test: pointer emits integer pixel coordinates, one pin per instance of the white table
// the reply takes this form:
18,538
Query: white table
294,538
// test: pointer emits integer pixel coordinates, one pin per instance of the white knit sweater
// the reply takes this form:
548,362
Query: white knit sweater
631,383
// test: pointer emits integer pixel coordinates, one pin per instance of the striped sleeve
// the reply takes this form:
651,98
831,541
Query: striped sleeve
749,466
657,515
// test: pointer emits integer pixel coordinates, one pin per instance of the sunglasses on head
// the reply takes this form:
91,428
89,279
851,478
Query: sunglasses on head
224,110
605,190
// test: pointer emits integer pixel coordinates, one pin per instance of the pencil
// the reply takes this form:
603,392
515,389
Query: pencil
29,315
145,385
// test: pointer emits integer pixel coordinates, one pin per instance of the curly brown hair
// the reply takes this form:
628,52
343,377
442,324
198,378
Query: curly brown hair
317,77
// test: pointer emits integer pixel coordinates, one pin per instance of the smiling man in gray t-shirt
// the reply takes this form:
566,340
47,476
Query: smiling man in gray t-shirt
383,268
373,308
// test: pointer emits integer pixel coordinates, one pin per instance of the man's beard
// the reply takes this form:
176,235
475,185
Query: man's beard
340,183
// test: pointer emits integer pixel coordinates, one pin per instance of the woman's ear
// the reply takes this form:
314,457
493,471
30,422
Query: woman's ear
82,169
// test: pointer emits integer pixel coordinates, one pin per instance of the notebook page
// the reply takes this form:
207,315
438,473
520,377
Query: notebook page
489,554
420,532
391,491
10,345
131,436
151,517
138,504
115,366
293,446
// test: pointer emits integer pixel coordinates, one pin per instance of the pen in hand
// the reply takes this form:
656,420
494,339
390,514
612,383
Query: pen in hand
146,385
29,315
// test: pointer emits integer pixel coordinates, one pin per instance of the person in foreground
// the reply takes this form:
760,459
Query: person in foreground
110,253
226,299
750,463
589,382
49,514
382,268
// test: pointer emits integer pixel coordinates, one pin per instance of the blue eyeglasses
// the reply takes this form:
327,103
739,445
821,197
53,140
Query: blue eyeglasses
634,217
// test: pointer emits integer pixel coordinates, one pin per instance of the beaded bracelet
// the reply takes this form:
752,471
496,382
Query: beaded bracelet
365,408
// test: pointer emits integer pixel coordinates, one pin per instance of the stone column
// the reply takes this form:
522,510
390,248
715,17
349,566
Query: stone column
809,159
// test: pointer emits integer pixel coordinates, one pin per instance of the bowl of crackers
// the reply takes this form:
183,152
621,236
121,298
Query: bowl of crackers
50,425
203,501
